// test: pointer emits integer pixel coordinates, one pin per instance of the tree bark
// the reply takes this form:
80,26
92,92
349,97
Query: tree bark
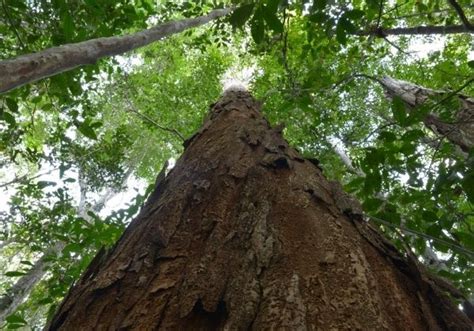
243,233
460,132
32,67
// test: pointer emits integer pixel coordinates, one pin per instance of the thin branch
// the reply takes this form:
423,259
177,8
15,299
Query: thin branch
135,111
418,30
26,178
453,93
461,15
5,9
380,14
423,235
395,7
424,13
396,46
379,128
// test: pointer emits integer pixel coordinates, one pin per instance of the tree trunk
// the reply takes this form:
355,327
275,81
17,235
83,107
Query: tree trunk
32,67
460,132
243,234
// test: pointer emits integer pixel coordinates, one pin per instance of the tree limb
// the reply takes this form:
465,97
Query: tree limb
32,67
461,15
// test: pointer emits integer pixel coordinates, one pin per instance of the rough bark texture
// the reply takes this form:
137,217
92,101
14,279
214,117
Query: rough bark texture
245,234
32,67
460,132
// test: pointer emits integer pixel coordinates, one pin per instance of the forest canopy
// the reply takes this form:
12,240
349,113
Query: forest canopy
379,94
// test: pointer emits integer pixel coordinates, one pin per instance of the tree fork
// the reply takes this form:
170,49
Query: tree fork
32,67
244,233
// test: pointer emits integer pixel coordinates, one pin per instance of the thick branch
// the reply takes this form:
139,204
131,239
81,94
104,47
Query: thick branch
32,67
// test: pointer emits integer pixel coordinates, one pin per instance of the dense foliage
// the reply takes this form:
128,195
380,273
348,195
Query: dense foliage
72,142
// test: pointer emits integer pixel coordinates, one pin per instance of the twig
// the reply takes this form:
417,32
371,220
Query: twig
453,93
461,15
145,117
380,13
423,235
5,9
377,129
424,13
397,47
133,109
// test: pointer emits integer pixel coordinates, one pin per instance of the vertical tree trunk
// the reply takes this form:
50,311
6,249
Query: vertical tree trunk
32,67
245,234
460,132
15,295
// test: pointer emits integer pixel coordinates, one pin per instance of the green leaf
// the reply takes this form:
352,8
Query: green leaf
354,14
341,33
16,319
387,136
9,118
319,4
26,262
412,135
86,130
257,30
471,64
318,17
347,25
15,273
272,21
12,105
68,25
468,186
399,111
72,247
272,5
43,183
241,15
45,301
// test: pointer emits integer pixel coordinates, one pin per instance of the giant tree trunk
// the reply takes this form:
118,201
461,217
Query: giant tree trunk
245,234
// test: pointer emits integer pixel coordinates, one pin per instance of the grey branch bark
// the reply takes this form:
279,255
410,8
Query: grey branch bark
32,67
16,294
418,30
460,132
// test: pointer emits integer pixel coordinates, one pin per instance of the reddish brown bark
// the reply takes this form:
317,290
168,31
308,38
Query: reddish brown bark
245,234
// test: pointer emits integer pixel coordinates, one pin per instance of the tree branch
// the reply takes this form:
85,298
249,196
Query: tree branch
418,30
32,67
461,15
